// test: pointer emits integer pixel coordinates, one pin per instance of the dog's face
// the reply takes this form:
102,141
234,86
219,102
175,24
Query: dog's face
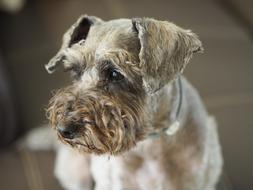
116,66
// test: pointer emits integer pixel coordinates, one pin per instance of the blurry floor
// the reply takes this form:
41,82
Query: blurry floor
223,75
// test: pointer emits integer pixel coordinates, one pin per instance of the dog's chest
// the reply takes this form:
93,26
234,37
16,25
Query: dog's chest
115,174
151,176
131,171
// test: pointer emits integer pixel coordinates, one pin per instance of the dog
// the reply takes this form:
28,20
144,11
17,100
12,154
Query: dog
130,120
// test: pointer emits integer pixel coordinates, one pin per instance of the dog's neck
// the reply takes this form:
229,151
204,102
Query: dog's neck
168,115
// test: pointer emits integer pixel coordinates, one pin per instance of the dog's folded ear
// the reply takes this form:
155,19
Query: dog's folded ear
75,34
165,50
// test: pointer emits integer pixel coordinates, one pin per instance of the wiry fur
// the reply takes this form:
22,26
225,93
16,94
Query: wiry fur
107,124
117,118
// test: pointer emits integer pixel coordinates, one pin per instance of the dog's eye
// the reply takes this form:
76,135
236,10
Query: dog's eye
115,75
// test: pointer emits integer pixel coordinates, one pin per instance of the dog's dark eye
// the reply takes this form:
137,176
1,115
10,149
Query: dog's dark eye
115,75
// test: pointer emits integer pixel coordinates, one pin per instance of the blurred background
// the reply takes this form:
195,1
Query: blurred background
30,34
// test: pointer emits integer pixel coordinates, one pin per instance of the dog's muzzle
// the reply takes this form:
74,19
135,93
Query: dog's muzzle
94,120
67,132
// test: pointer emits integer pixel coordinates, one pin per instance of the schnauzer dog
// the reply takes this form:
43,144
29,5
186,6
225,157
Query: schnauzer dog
135,121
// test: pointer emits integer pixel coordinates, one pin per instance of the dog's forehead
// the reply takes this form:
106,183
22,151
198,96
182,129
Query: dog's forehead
112,35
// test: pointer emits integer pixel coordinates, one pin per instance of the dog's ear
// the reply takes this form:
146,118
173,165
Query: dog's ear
77,33
165,50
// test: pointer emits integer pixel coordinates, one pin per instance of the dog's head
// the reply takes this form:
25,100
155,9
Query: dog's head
116,66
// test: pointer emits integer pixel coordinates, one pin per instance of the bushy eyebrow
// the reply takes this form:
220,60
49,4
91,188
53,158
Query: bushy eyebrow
121,60
105,65
113,58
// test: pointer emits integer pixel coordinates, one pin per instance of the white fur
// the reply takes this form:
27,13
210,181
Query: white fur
40,138
72,169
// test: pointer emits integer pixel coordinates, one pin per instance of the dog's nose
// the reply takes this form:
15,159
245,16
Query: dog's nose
68,132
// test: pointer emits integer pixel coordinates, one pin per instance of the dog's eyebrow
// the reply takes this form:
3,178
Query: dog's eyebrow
105,64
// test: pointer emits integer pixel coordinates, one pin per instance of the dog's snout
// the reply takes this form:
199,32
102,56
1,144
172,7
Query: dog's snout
68,132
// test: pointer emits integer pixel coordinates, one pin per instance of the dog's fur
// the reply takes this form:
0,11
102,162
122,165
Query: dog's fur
121,103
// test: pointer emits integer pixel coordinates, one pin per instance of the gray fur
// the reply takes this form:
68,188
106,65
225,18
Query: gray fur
150,54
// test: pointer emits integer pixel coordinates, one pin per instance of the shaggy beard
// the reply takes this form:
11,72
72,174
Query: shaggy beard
106,124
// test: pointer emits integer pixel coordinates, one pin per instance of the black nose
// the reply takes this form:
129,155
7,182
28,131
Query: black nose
68,132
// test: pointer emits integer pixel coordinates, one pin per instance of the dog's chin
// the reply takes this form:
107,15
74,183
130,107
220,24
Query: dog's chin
97,148
84,149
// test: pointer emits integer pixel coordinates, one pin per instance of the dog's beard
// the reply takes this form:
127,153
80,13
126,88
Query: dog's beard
106,123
